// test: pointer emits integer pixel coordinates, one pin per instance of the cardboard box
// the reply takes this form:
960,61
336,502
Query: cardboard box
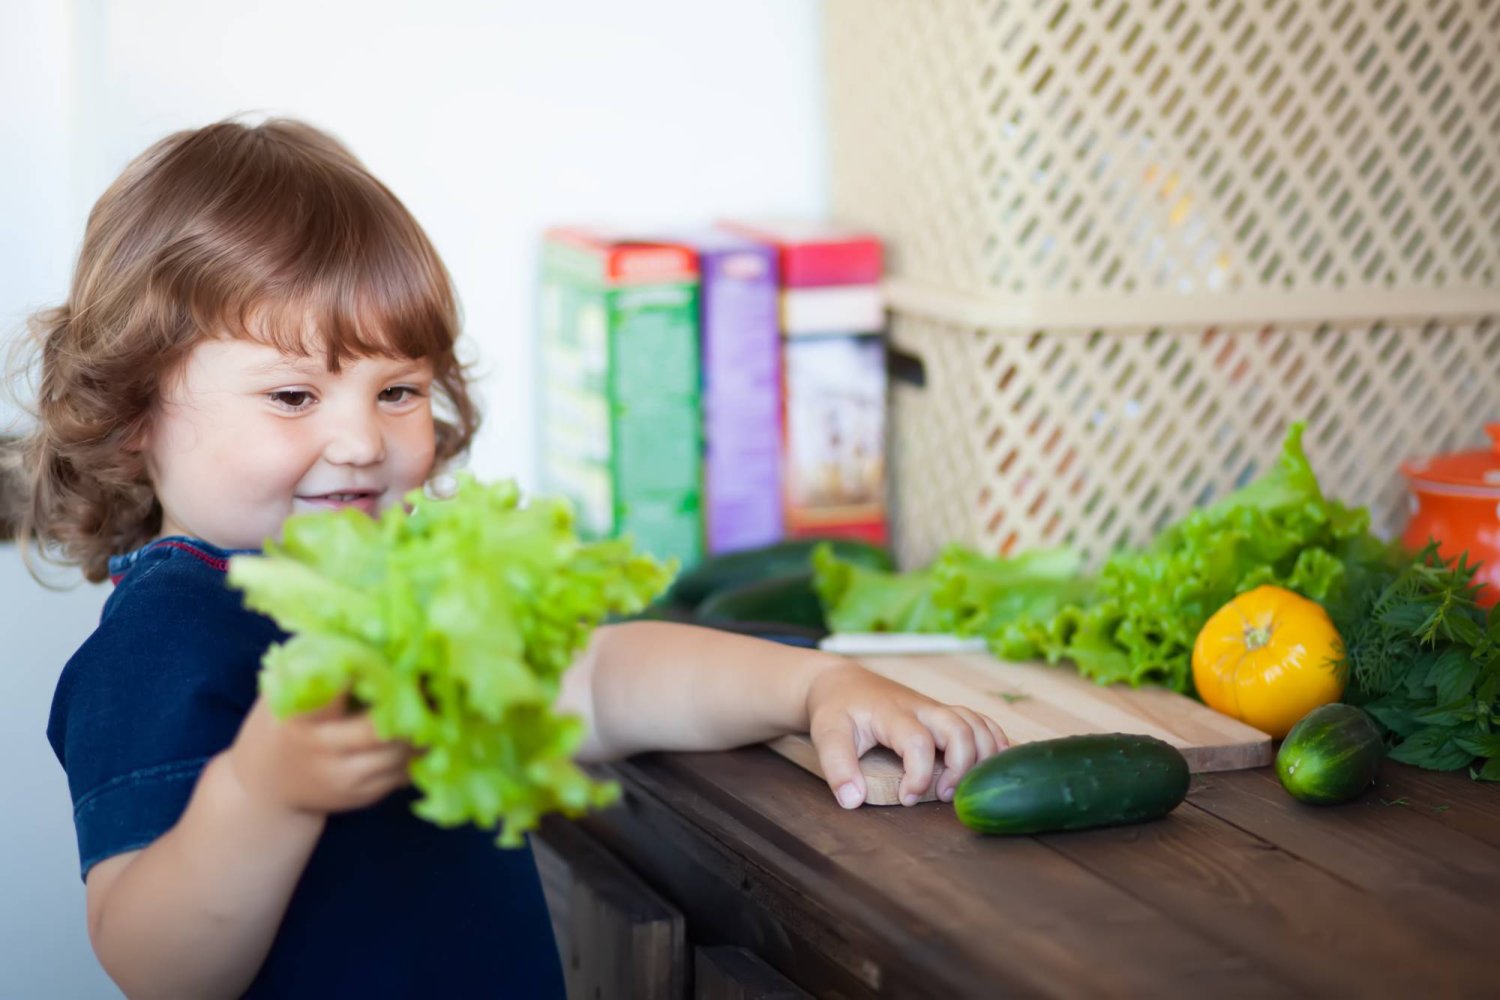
740,341
834,382
618,389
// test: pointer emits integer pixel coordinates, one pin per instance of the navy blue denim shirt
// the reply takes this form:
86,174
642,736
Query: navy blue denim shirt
388,906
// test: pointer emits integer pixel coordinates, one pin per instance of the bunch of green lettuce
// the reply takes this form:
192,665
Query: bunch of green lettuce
1139,622
453,623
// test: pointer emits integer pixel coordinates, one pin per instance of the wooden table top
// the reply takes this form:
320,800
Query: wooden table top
1241,891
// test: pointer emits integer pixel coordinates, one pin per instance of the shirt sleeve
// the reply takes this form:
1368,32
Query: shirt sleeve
159,688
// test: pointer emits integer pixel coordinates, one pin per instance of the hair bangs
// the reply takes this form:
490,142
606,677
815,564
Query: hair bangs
338,269
354,314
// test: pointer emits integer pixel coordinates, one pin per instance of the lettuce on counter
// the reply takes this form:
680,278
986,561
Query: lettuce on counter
962,593
453,624
1137,620
1140,621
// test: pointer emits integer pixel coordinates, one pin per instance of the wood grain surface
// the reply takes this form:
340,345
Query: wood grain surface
1033,701
1240,892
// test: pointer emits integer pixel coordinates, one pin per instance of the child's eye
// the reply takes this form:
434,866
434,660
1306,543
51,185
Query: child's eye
400,394
291,399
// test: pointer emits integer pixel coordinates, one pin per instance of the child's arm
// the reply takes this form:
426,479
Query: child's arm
659,686
194,913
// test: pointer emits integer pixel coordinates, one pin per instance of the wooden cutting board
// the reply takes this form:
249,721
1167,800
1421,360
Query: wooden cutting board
1032,701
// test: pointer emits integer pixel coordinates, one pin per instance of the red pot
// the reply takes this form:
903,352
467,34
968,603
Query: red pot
1456,500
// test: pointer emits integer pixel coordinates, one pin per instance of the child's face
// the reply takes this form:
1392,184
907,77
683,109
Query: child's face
246,436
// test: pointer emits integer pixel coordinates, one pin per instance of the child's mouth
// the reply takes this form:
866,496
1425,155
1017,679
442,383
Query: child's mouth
362,500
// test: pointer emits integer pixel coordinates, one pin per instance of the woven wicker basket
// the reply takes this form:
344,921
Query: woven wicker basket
1131,241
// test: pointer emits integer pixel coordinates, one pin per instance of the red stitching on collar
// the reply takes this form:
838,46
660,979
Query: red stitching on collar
222,565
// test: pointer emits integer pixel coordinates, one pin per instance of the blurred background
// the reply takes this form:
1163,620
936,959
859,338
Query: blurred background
490,120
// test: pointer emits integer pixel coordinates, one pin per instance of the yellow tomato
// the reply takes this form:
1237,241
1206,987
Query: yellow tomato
1267,658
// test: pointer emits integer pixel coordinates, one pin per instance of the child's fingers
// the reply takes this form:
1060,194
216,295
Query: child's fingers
353,734
915,743
368,768
839,758
954,735
985,742
335,709
359,786
387,756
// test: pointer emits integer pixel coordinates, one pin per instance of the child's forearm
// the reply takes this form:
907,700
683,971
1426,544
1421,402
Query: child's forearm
662,686
194,914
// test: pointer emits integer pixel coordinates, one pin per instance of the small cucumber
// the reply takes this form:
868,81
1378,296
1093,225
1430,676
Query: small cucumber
733,569
1072,783
1331,755
785,600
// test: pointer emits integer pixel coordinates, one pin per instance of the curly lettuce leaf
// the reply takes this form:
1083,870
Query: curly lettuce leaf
857,598
984,595
1146,609
962,593
452,622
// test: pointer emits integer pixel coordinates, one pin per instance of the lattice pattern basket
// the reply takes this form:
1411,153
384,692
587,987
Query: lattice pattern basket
1101,437
1130,240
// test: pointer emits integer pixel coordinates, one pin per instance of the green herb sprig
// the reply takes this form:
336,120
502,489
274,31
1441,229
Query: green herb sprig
1424,662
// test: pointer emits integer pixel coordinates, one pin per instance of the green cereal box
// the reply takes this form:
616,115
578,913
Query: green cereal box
618,395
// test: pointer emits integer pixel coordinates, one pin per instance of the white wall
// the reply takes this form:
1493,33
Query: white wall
489,118
37,233
44,948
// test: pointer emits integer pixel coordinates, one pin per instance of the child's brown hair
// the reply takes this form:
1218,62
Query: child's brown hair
272,232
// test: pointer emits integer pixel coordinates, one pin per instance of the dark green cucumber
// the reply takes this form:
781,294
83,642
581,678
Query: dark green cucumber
733,569
659,610
785,600
1072,783
1331,755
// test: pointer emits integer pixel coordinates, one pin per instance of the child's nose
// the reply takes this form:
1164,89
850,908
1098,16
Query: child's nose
356,440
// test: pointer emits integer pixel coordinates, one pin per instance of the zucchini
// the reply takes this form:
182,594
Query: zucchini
784,600
1331,755
732,569
1072,783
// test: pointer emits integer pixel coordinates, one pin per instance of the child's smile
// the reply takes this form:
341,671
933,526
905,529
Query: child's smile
247,436
365,500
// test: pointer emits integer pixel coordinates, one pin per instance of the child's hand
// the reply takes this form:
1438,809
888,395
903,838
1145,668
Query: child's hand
322,762
851,710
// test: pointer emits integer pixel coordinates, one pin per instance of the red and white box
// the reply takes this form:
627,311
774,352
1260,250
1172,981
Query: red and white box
833,342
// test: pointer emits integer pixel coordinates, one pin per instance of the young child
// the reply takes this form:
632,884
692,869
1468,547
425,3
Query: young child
257,327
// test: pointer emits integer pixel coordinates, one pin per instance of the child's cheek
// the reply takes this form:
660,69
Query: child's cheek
280,454
418,447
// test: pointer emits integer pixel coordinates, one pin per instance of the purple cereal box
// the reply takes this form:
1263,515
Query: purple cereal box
741,357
